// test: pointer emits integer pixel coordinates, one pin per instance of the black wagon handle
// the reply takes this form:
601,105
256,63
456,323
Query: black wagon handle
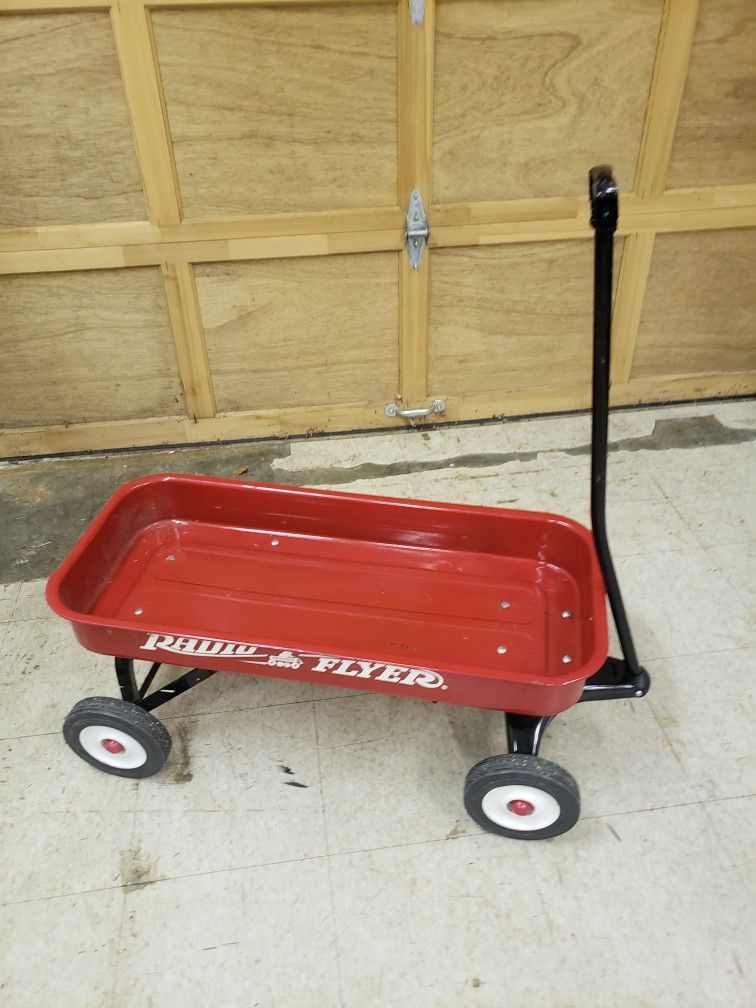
604,197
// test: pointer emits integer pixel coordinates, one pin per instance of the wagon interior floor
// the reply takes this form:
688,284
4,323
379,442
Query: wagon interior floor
435,607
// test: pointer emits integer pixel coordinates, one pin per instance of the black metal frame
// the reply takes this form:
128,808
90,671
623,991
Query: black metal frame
618,678
136,694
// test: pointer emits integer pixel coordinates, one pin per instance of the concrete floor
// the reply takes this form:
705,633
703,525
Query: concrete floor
215,884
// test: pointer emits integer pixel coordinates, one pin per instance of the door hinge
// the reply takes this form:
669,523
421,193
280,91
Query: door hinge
418,232
417,11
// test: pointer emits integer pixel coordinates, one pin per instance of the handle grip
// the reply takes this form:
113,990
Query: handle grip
604,195
392,410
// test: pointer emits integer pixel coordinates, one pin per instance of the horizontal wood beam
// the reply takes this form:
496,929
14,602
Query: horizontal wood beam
175,430
139,243
67,236
216,250
253,3
557,399
37,6
178,430
31,6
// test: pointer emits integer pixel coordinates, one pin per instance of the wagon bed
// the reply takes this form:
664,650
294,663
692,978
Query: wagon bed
506,606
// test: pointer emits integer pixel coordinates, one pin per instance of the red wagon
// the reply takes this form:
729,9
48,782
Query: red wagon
479,606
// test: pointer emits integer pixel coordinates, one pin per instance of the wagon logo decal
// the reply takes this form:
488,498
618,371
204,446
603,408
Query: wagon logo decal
258,654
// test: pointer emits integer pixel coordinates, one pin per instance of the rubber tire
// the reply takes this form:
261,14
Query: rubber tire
520,768
127,717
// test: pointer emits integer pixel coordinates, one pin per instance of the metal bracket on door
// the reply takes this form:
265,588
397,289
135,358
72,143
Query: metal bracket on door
417,232
417,11
392,410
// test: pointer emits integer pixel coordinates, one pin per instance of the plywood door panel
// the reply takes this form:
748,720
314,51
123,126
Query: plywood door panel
281,108
698,313
715,142
530,94
68,154
81,347
510,318
301,332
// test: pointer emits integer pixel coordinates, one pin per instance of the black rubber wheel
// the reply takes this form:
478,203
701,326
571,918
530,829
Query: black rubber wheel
117,737
521,796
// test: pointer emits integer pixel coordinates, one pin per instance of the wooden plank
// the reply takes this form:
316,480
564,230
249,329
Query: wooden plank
135,43
23,442
636,213
678,388
670,68
313,130
706,208
261,3
297,332
136,52
188,335
86,347
25,6
507,319
698,312
577,396
39,250
628,304
673,53
414,172
715,140
78,236
229,250
65,157
527,100
223,250
175,430
144,233
416,73
51,6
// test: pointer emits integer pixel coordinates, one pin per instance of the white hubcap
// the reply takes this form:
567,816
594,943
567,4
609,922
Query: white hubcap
131,755
497,806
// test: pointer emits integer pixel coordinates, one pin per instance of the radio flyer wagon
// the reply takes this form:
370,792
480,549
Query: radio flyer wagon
479,606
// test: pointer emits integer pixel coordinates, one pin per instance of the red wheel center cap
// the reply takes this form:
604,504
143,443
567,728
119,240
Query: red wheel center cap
113,746
520,807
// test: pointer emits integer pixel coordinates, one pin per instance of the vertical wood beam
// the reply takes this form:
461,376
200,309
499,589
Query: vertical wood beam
189,337
673,52
415,118
135,45
140,70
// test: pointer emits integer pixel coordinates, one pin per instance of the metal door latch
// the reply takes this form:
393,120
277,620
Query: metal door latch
417,232
417,11
392,410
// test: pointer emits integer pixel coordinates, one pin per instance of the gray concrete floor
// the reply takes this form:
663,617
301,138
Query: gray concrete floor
215,884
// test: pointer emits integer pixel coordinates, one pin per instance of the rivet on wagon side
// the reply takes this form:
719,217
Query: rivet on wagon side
274,542
566,659
501,649
170,556
138,612
504,605
566,614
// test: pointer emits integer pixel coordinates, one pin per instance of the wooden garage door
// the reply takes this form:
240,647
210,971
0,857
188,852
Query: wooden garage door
203,204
